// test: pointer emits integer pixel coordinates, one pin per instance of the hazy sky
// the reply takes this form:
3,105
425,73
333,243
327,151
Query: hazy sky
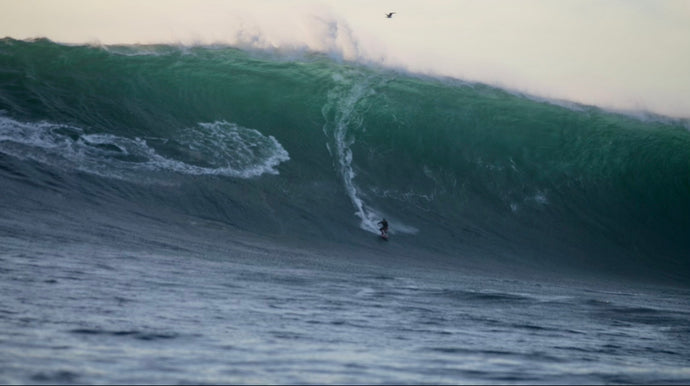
619,54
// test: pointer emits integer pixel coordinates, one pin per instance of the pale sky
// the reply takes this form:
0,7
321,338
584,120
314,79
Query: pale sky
618,54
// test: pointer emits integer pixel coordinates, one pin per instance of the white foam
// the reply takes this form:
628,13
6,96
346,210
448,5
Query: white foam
226,149
234,150
342,102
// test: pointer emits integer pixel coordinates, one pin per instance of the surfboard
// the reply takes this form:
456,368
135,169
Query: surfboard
384,236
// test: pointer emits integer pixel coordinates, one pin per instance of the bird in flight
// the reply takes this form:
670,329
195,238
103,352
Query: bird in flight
389,15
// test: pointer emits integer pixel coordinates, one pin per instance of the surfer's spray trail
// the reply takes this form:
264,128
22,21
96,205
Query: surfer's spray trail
238,138
341,118
343,113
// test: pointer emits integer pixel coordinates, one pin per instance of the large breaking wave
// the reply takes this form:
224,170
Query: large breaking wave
312,148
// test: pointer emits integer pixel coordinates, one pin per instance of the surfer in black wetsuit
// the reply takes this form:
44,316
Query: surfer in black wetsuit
384,227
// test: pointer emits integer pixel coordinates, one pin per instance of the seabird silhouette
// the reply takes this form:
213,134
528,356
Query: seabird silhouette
389,15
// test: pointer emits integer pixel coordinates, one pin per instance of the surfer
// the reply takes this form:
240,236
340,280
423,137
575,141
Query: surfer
384,228
390,15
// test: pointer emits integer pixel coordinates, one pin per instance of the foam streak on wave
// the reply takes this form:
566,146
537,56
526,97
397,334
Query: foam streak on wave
237,151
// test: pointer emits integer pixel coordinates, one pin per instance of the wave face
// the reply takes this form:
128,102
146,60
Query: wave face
310,148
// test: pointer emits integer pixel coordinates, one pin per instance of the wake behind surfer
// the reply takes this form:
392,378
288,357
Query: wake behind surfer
384,227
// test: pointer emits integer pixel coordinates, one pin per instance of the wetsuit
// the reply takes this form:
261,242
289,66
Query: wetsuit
384,227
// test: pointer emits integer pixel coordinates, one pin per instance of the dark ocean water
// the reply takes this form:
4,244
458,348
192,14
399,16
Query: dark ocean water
207,214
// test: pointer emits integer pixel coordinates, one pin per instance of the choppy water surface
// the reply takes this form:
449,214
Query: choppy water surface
73,316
